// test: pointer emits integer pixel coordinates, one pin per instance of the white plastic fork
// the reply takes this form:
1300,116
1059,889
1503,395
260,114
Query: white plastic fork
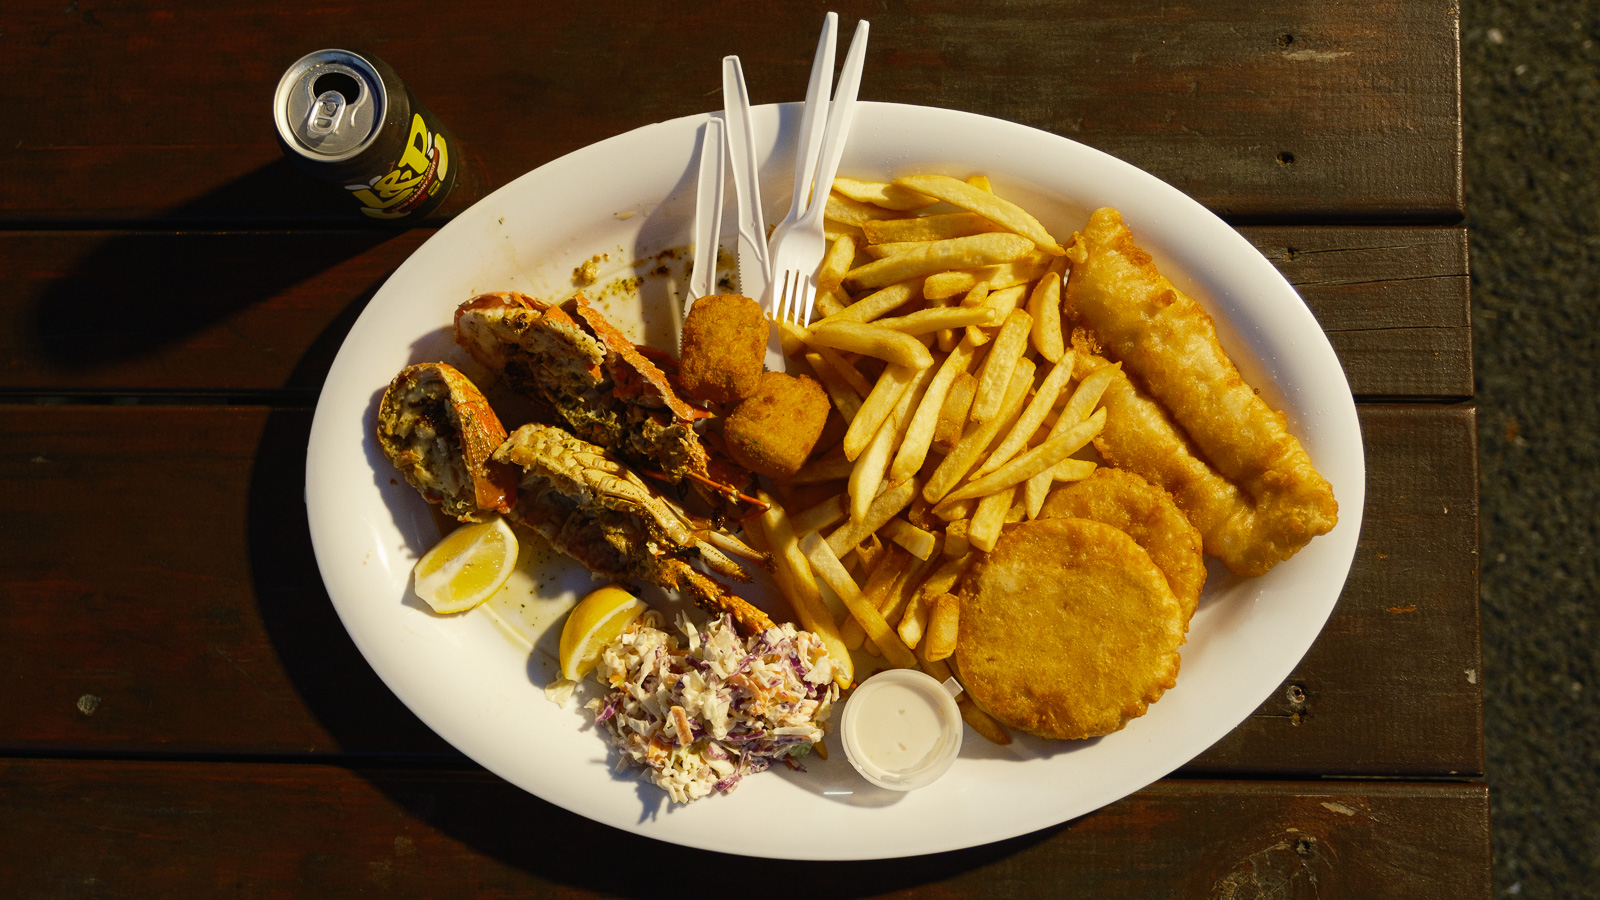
807,150
797,256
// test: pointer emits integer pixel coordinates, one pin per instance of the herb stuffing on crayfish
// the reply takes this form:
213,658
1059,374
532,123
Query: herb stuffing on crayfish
609,391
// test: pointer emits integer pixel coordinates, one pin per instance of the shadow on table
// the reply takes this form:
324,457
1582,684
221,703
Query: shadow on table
372,732
132,297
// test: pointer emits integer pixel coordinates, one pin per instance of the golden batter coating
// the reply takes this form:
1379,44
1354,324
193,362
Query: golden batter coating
1147,514
1068,630
774,429
1168,344
724,348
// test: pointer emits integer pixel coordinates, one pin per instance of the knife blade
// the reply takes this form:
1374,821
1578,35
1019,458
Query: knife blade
754,266
708,211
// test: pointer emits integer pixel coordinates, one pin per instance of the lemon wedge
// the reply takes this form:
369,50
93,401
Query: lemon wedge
467,567
595,622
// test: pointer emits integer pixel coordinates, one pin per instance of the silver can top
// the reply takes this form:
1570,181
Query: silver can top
329,105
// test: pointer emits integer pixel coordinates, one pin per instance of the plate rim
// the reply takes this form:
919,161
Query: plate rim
1351,504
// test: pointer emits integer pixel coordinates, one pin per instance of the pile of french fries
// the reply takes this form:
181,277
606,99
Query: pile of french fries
940,342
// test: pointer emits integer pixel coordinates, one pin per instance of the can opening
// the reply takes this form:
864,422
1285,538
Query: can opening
340,83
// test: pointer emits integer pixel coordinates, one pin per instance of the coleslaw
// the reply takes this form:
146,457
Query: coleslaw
702,713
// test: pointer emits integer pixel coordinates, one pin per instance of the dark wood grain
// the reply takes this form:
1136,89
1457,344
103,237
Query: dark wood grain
1262,111
188,603
1406,633
142,829
240,312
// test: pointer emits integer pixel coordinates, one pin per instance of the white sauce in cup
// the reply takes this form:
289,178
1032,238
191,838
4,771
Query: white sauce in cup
902,729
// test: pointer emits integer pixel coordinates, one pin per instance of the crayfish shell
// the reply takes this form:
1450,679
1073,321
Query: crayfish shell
435,426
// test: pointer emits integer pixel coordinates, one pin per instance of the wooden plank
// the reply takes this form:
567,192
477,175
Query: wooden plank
1395,303
1260,110
1407,630
167,584
198,312
143,829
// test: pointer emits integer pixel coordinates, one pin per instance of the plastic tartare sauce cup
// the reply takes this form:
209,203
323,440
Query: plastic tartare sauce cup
902,729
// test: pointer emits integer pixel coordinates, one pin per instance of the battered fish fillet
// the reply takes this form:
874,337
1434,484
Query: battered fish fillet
1146,513
1168,343
1068,630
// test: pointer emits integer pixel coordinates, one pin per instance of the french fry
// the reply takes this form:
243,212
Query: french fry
870,552
800,586
869,340
955,538
927,228
847,211
967,252
1025,270
920,432
845,369
827,303
823,515
1042,458
913,621
831,571
953,414
982,722
844,397
1087,394
927,321
981,182
914,540
1003,302
878,193
1072,470
884,251
977,298
873,463
830,467
882,583
877,407
1034,492
977,437
1028,424
1044,305
954,510
834,230
1077,408
943,625
875,304
943,579
984,203
886,506
989,518
999,366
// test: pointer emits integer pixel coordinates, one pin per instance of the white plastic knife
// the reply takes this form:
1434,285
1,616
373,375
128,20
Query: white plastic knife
708,212
754,266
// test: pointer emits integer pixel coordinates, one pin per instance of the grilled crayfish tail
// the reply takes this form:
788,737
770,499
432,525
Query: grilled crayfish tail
715,599
596,510
435,426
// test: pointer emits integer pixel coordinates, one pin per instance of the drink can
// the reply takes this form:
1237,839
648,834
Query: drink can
347,119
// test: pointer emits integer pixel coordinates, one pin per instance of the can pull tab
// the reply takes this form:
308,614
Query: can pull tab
326,111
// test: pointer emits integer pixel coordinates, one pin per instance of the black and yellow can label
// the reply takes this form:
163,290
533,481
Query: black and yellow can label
415,178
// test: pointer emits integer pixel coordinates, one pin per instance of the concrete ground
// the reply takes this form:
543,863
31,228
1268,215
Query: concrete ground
1531,106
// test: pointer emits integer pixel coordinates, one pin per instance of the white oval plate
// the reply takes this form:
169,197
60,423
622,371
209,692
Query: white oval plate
631,197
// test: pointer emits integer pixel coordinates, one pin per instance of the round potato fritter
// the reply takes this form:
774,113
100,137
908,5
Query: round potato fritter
724,348
1126,501
1068,630
773,430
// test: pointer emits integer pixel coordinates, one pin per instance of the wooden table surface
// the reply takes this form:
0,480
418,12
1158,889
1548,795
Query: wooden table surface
183,714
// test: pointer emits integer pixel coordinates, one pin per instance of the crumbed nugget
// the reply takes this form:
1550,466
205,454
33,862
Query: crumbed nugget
1147,514
1068,630
773,430
724,348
